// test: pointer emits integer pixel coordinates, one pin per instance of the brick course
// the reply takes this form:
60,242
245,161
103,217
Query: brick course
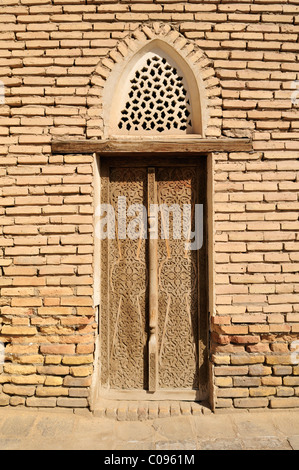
55,56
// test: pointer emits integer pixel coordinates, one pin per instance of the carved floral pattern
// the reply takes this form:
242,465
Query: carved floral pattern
178,303
126,327
128,285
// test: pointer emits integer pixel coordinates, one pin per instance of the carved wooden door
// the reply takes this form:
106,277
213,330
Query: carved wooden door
153,326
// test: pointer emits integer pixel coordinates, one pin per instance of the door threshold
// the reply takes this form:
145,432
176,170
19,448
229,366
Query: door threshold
128,410
160,395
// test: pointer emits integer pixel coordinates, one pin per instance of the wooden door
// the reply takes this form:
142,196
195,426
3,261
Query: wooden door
153,326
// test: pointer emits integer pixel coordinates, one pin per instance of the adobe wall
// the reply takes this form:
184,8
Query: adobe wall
55,57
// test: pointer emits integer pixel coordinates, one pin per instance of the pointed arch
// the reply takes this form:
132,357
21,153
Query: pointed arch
112,82
154,96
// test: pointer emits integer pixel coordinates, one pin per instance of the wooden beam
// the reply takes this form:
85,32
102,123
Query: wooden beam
153,283
133,147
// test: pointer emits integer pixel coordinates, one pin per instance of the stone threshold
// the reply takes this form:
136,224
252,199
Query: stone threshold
148,410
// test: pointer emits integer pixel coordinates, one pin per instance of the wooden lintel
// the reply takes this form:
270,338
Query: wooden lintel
133,147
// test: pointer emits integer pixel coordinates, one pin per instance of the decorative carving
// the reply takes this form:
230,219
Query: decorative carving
128,286
157,100
127,361
178,298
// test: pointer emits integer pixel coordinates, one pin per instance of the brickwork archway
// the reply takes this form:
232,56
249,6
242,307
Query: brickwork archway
108,79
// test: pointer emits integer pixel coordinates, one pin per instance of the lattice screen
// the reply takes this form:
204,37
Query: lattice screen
157,101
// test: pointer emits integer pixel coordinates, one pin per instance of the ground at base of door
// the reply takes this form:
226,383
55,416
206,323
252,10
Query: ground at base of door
45,429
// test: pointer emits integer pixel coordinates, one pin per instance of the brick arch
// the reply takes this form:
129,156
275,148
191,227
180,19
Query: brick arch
109,73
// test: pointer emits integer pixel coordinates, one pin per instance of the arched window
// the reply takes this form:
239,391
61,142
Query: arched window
156,98
154,92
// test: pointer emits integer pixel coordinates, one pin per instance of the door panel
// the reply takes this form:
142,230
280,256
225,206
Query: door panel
127,288
178,293
127,324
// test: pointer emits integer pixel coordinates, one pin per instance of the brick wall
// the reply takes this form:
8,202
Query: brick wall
47,317
49,51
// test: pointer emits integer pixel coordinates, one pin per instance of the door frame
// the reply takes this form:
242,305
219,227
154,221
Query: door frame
190,144
159,159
